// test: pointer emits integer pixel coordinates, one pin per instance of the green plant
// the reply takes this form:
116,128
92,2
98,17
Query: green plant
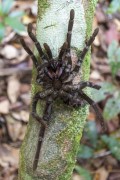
114,7
97,143
84,173
114,57
113,144
110,90
9,18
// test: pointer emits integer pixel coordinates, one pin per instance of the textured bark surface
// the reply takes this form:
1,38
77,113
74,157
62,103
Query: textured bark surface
61,142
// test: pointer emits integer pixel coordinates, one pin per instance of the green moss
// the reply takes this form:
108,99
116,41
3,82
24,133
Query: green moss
43,5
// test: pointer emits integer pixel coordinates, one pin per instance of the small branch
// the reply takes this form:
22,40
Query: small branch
16,70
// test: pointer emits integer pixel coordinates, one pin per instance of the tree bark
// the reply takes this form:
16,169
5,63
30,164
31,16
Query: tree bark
62,138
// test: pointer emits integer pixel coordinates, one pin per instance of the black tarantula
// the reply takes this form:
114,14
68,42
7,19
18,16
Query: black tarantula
56,76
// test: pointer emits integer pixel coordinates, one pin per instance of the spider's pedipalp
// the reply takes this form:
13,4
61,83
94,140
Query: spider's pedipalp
37,44
95,107
48,73
48,51
62,51
27,49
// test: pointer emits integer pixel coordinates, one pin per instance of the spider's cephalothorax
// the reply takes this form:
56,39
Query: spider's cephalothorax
56,76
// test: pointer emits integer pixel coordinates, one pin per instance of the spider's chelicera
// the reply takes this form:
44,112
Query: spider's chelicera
56,75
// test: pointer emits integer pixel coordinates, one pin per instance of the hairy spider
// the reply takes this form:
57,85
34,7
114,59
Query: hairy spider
56,76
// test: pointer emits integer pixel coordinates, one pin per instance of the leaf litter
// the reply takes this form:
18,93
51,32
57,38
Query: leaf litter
15,98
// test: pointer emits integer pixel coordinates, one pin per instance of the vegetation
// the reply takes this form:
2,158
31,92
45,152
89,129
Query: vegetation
10,18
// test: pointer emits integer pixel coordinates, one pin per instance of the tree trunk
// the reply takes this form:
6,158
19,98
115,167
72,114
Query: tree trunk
62,137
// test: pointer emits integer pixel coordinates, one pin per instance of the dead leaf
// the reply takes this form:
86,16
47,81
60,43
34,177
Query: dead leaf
9,37
1,63
22,133
22,57
24,116
16,115
100,15
27,19
101,174
8,156
95,75
91,116
13,88
117,22
14,127
24,88
4,106
112,34
9,52
26,98
95,25
76,177
96,41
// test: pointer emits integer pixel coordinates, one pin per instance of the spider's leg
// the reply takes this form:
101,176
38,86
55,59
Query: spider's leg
70,27
42,66
37,44
95,107
43,70
48,109
76,100
36,98
39,145
27,49
85,50
65,95
66,47
67,78
80,86
48,50
69,35
46,117
83,85
72,99
44,80
88,44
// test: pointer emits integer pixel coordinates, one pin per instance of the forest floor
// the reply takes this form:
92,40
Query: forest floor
99,155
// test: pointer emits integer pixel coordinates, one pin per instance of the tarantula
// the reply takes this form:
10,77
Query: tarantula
56,75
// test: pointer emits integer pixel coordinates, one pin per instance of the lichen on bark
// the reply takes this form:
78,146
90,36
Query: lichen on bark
63,135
